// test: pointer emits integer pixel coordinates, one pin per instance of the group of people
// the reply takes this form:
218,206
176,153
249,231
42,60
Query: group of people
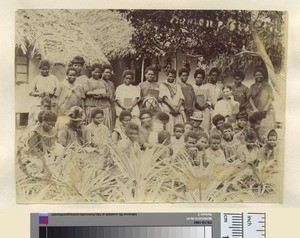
213,122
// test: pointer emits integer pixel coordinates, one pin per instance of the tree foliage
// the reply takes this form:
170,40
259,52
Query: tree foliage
209,34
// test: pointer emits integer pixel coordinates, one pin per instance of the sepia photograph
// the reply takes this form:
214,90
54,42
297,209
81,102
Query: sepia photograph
150,106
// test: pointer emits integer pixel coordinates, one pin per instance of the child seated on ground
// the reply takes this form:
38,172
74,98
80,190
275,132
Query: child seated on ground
42,139
229,143
268,151
177,140
196,121
74,133
44,106
130,140
241,122
191,147
217,121
188,127
159,124
119,132
249,152
202,144
214,155
98,133
164,140
255,125
241,126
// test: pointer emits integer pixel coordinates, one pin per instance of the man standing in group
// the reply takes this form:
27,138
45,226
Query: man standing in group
150,91
188,92
106,76
77,63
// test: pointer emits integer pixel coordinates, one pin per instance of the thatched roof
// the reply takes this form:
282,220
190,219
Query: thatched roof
109,29
59,35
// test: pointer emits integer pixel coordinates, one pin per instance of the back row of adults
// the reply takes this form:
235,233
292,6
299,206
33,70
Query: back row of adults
206,97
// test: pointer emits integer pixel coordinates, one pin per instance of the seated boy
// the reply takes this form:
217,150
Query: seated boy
249,152
177,139
241,126
217,121
268,151
74,132
202,144
196,121
159,123
214,155
130,140
188,127
255,125
191,142
98,133
119,132
42,139
229,142
33,115
241,122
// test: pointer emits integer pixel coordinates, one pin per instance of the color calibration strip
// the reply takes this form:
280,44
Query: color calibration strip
148,225
126,232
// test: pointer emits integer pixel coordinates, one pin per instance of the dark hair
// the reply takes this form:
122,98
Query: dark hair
239,74
272,132
199,71
226,86
78,60
217,118
150,68
215,136
96,111
250,135
242,115
107,66
171,71
123,114
44,63
144,111
203,134
97,66
70,69
162,136
49,116
191,134
183,70
225,126
178,125
216,70
46,99
40,116
163,116
263,71
128,72
257,117
131,126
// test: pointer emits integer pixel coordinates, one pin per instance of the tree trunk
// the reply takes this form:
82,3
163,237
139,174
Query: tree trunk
142,70
276,80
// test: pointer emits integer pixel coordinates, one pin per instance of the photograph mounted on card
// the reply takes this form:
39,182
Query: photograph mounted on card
139,106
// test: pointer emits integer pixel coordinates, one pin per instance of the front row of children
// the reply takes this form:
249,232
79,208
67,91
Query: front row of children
224,144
